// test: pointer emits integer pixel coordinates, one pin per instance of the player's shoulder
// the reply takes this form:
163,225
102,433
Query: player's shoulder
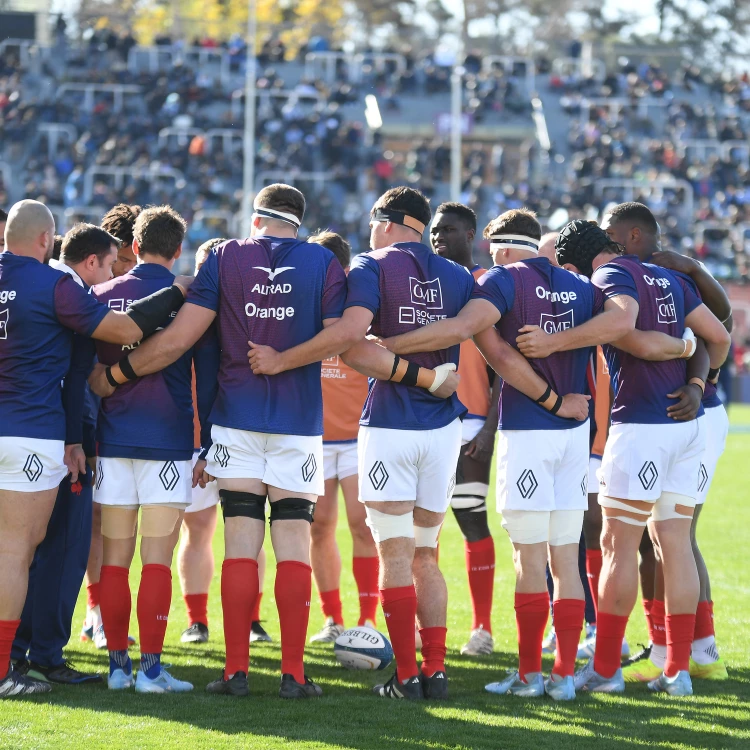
107,287
572,278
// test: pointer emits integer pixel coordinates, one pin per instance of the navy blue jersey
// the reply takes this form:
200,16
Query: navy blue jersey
40,308
534,292
149,418
275,292
664,299
406,286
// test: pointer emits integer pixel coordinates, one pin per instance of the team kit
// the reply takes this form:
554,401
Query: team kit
286,373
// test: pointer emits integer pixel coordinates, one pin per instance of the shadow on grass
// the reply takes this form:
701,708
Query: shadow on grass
349,716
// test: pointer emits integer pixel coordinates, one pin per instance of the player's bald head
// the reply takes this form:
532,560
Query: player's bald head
547,247
30,230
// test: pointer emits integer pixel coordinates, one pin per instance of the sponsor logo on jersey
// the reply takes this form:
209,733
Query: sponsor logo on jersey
428,294
169,476
527,484
4,316
378,475
7,295
655,281
309,468
273,274
665,309
272,289
648,475
555,323
277,313
33,468
565,297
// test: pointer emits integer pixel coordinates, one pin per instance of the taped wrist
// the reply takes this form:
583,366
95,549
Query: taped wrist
713,374
292,509
242,505
558,404
110,378
153,311
412,372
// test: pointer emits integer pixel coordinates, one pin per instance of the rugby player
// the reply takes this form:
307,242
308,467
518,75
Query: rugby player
634,226
145,448
651,462
266,431
39,307
542,456
344,394
452,236
119,222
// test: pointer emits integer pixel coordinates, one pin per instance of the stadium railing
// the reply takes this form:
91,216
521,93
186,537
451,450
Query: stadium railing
159,58
55,133
119,174
580,67
509,64
651,187
91,90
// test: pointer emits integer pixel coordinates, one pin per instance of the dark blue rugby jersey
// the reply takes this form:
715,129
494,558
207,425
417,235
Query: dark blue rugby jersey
40,307
405,286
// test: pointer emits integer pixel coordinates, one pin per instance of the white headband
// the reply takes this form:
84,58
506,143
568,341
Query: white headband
272,213
514,242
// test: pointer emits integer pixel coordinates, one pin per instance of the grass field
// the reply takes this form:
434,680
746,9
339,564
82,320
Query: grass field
348,716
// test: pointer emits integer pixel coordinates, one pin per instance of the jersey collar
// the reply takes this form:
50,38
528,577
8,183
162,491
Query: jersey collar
151,271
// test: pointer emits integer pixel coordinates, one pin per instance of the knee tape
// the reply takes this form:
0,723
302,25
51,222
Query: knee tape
565,527
611,502
119,522
158,520
427,536
385,526
242,505
526,526
665,510
292,509
470,496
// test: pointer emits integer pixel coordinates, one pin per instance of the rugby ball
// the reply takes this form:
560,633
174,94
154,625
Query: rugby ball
363,648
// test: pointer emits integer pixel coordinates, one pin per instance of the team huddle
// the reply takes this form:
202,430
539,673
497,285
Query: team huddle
586,361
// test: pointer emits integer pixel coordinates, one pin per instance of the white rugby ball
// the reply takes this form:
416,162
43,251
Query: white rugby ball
363,648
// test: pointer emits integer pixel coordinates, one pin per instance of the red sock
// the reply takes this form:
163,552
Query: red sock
293,590
568,619
610,630
680,630
92,594
197,608
239,589
7,634
255,616
115,603
593,569
433,650
704,621
659,635
400,610
366,576
648,605
480,565
154,601
330,603
532,611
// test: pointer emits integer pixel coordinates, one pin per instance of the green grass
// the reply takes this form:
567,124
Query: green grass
718,716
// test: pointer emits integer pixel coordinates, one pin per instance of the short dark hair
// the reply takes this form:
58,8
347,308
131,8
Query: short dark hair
3,215
159,230
57,247
205,250
335,243
521,221
84,240
636,213
464,212
407,200
282,198
120,221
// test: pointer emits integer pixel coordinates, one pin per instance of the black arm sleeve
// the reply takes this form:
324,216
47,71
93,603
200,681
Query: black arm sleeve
153,311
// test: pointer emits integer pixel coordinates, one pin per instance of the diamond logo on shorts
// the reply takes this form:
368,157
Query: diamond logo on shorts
702,478
169,476
584,485
378,475
221,456
33,468
309,468
648,475
527,484
99,475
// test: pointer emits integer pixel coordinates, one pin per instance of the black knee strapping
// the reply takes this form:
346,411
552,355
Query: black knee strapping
473,523
292,509
242,505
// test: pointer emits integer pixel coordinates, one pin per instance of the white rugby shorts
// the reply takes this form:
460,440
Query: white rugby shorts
202,498
290,462
543,470
130,482
31,464
595,466
470,429
339,460
641,461
411,465
556,527
717,427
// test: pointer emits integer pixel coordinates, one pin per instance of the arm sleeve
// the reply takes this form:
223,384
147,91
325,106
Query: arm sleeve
204,291
496,286
77,309
74,388
613,281
206,357
363,284
334,291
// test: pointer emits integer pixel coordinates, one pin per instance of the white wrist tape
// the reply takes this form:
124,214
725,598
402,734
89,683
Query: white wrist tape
691,343
441,375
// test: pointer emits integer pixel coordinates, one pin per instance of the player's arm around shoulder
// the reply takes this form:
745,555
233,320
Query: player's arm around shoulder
713,332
